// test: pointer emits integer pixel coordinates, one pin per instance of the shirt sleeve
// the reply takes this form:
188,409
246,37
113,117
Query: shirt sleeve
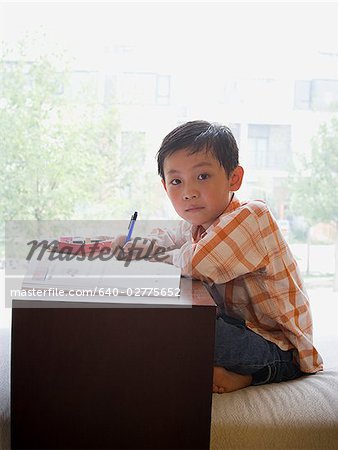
232,248
171,238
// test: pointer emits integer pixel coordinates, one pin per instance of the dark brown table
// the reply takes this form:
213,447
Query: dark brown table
104,377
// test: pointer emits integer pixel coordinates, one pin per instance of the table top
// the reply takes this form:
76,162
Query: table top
195,290
192,293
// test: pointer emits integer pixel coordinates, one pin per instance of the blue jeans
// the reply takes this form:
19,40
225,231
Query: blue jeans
240,350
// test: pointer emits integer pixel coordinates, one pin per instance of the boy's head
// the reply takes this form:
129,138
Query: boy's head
198,164
197,136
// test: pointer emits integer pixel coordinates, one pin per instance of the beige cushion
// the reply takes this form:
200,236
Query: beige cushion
299,414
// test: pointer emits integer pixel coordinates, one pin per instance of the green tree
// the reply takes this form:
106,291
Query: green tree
314,186
60,156
50,148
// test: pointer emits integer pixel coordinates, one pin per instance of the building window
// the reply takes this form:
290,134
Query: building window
142,89
269,146
279,152
136,88
324,95
258,145
316,95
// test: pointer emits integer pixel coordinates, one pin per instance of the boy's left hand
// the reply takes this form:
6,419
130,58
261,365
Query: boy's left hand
140,248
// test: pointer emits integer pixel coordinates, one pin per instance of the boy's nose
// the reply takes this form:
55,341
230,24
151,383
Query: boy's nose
190,195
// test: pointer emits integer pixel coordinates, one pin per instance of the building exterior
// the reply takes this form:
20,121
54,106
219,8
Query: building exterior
272,119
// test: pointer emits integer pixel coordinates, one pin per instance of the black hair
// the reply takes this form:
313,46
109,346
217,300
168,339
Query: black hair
197,136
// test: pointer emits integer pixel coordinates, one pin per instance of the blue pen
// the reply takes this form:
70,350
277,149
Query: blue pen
131,226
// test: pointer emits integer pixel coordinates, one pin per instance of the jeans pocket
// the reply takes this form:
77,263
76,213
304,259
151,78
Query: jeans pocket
262,376
276,372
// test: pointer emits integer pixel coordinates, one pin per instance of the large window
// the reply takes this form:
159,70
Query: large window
97,86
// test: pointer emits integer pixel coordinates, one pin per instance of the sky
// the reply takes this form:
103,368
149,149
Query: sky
238,39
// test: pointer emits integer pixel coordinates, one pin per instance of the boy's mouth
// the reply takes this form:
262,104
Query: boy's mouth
194,208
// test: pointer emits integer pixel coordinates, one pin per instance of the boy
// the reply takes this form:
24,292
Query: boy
263,326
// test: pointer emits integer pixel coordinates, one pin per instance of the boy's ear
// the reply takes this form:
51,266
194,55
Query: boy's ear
163,184
236,178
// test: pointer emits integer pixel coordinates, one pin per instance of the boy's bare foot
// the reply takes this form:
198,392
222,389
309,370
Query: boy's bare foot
226,381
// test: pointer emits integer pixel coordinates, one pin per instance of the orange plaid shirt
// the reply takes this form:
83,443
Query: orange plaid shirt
245,257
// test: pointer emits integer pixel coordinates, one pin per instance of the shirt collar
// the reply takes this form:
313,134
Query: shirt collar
233,204
198,232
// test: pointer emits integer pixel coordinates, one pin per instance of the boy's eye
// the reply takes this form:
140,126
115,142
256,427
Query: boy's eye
175,181
203,176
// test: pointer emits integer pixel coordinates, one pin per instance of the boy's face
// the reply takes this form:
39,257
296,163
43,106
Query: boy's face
198,186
